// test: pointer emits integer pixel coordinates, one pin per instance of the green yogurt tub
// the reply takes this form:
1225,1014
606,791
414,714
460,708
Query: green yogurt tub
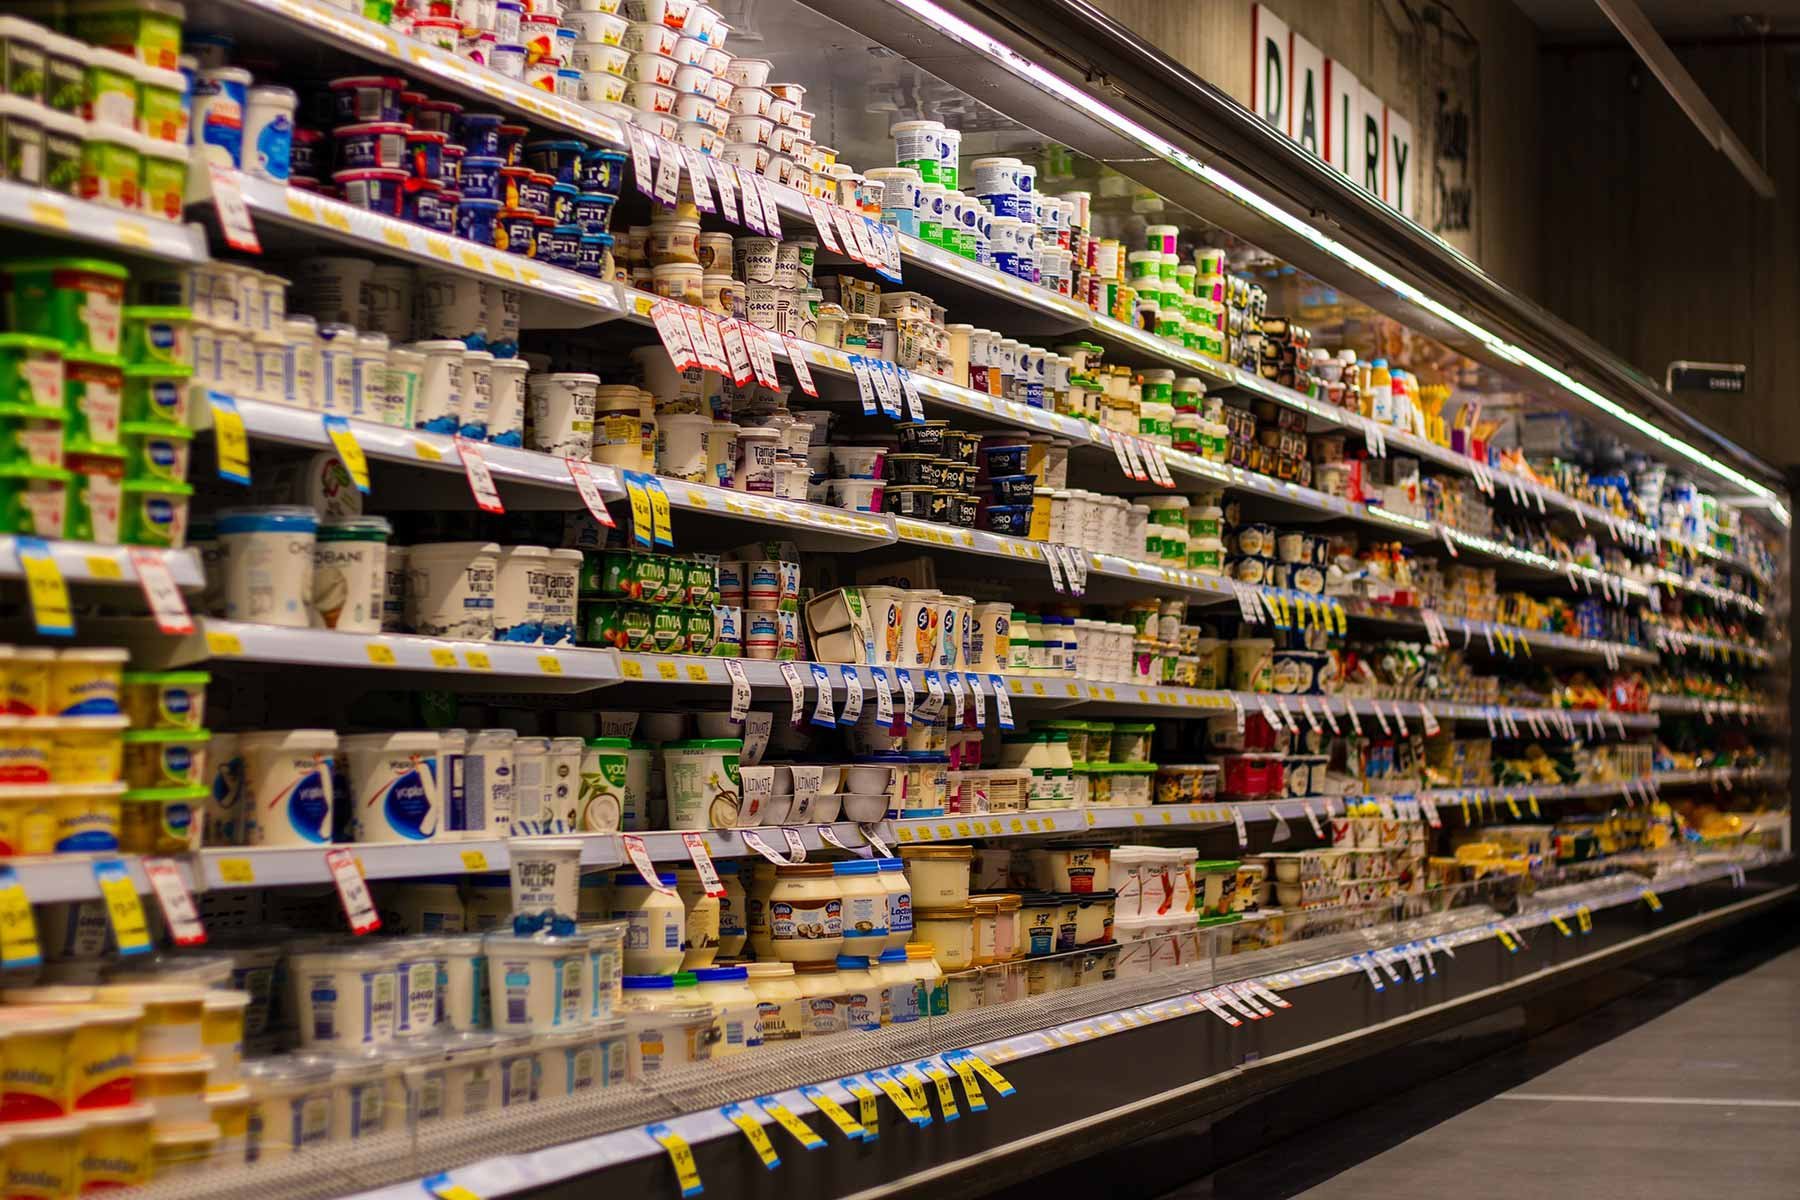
21,141
65,74
33,500
155,450
78,301
160,334
94,400
161,115
157,392
155,513
111,89
112,168
162,177
63,138
29,434
31,371
96,497
147,30
22,59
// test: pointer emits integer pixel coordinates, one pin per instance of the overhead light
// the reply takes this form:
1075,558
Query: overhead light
965,33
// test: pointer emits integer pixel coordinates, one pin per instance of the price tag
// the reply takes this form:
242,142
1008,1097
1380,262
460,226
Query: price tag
1002,702
643,525
662,521
165,600
1312,818
1237,820
1217,1009
1431,812
959,703
796,693
762,359
1652,900
48,591
672,331
18,927
988,1072
771,209
853,695
934,696
643,171
481,480
1053,561
886,389
784,1116
698,175
359,907
231,444
1330,717
179,913
703,863
890,251
722,179
869,1116
668,173
946,1095
343,438
865,384
695,327
1287,715
1134,459
900,1096
737,353
829,836
844,226
821,219
1429,719
821,712
834,1112
906,697
640,860
1375,707
796,351
754,1133
884,699
977,699
234,214
681,1157
439,1185
1230,996
915,407
1117,441
753,211
590,491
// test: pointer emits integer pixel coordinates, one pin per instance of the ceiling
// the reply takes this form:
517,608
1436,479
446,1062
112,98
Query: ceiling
1673,18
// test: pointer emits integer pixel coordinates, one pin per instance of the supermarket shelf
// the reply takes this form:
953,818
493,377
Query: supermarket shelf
44,213
88,563
338,32
1719,709
1497,637
1341,999
64,878
495,665
1677,642
564,299
1719,595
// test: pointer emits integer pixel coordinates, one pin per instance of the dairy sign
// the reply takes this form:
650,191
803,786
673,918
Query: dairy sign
1325,109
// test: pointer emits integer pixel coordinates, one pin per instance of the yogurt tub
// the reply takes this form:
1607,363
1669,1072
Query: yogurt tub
939,875
606,965
393,786
268,554
74,300
222,1032
655,921
289,786
176,1088
290,1106
537,984
347,996
561,416
44,1157
166,758
115,1147
450,589
462,989
545,874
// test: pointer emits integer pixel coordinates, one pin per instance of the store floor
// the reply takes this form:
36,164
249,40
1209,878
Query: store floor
1701,1099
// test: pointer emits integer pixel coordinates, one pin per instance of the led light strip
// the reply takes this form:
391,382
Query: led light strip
1009,58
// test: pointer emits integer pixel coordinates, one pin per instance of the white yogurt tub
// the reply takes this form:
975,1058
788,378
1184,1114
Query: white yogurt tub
519,582
419,974
394,792
358,1093
561,413
537,984
681,445
546,875
347,997
471,1075
414,1077
450,589
349,573
438,402
290,1106
289,794
267,562
506,412
484,807
606,965
463,989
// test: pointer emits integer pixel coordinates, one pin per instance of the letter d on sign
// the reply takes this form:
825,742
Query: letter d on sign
1268,67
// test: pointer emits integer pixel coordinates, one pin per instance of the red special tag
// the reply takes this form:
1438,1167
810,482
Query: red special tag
359,907
796,351
481,480
640,858
703,863
177,904
590,491
165,599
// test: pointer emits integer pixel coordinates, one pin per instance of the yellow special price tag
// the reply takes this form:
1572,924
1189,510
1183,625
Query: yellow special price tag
1506,939
124,910
1562,927
102,567
231,444
667,670
754,1133
549,664
18,928
785,1117
46,587
474,860
631,668
380,653
1584,919
681,1157
426,452
478,660
1531,802
643,523
662,522
1513,806
901,1097
236,870
1652,900
443,658
971,1086
868,1112
945,1093
349,450
995,1080
834,1112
